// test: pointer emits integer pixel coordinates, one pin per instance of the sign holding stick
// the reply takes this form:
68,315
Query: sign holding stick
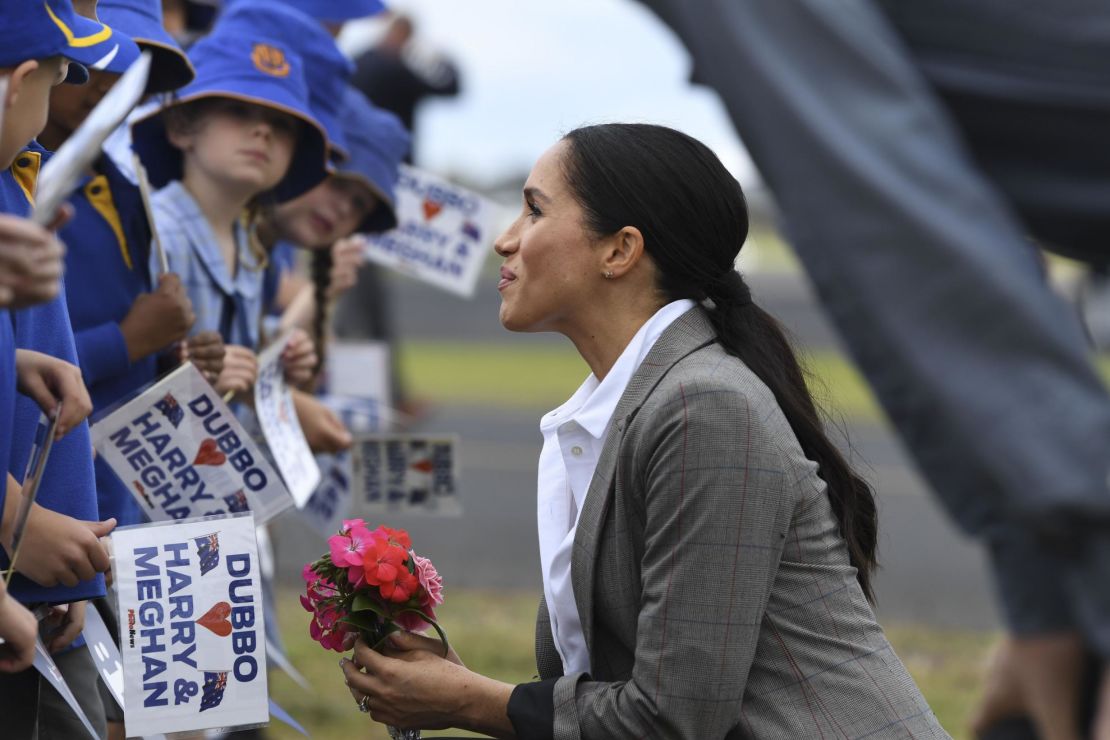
44,439
144,194
65,169
192,626
182,453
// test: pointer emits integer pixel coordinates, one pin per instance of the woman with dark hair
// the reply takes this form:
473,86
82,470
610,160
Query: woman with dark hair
706,551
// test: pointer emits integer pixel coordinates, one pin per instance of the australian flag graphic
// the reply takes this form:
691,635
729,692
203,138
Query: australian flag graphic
237,502
214,685
208,552
170,409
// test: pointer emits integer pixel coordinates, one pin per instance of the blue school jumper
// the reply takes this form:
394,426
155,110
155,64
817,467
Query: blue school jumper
107,256
68,483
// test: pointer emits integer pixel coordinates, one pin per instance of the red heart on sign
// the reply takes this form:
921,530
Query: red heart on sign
208,454
422,466
216,619
431,209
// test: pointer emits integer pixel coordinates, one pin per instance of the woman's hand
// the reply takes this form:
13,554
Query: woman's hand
50,381
412,687
299,358
240,370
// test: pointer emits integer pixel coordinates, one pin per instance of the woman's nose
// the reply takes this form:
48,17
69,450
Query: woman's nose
507,243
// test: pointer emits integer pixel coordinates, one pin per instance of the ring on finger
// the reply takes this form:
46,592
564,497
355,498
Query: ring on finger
364,704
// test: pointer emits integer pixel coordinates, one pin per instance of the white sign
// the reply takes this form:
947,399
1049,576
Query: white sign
192,629
359,370
273,404
405,473
443,235
64,170
105,654
183,454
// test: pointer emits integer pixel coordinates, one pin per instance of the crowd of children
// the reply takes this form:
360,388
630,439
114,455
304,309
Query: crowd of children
256,146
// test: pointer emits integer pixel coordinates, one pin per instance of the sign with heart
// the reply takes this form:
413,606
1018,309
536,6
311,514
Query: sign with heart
182,453
444,232
192,626
405,474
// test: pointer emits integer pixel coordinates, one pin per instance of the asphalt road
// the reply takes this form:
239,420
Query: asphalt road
930,573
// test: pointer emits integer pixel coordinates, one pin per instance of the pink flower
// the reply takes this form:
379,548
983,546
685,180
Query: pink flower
430,580
349,524
411,622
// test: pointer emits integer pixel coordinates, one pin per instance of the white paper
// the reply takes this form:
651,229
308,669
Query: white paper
273,405
45,665
105,654
182,453
359,370
443,236
192,625
405,473
62,172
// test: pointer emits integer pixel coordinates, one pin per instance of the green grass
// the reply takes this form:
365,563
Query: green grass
493,634
538,378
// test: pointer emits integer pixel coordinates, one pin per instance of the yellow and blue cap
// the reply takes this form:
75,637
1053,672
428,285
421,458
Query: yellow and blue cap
38,29
326,69
377,142
238,63
142,20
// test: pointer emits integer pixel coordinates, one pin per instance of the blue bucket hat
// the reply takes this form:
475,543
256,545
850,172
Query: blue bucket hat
377,142
142,21
335,11
238,63
326,69
39,29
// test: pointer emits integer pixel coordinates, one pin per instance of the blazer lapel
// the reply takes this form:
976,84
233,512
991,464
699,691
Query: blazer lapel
690,332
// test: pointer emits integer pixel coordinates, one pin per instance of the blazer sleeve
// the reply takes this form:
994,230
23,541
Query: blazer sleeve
716,507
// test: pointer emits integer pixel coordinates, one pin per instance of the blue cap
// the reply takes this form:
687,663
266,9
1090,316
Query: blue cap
238,63
377,142
336,11
326,69
142,21
39,29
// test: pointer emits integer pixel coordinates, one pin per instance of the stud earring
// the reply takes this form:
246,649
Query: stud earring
608,274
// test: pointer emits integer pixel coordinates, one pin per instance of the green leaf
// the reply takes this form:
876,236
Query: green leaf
363,603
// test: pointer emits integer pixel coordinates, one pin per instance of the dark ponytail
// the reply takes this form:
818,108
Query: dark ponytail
693,216
321,280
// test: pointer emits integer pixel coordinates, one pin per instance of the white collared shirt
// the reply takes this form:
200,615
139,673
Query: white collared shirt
573,435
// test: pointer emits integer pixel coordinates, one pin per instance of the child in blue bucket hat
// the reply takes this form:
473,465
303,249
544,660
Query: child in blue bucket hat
238,140
330,12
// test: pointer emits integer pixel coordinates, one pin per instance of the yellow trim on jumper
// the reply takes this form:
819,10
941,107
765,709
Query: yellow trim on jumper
27,175
100,198
103,34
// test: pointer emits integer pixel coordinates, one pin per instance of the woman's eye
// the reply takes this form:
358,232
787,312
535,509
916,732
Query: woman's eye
533,210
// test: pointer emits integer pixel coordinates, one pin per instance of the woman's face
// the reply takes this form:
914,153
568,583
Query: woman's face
327,213
551,263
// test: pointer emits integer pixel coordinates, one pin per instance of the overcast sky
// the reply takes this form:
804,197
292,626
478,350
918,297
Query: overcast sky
534,70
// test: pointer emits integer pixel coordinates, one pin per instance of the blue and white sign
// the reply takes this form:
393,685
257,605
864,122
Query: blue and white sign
443,236
182,453
273,405
405,474
192,629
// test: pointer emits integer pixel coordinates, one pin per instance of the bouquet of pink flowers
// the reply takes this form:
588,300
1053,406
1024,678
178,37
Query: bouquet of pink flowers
371,583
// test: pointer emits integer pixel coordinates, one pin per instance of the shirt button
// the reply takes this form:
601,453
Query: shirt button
24,162
576,451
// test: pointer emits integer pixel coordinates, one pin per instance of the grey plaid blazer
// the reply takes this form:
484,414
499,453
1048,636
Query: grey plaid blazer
714,589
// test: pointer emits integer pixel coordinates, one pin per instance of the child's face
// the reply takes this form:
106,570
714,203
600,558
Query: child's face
327,213
28,102
70,105
245,147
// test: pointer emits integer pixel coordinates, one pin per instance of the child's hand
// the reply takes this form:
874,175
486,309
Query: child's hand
60,549
299,358
49,380
240,370
19,628
323,430
206,350
157,320
347,255
31,262
66,622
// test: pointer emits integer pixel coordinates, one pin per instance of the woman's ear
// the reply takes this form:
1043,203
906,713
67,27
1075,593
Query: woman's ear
623,251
